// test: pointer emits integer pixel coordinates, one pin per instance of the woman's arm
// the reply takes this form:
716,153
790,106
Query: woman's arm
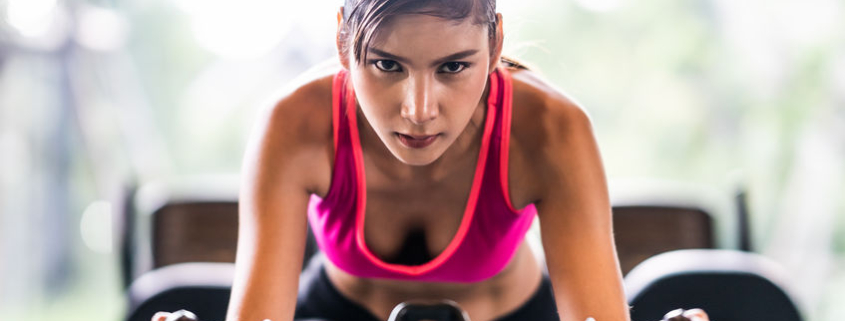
283,165
575,217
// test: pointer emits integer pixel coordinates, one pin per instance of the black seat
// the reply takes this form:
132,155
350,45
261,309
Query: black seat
202,288
179,245
729,285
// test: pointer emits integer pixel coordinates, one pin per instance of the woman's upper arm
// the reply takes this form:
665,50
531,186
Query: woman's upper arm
282,166
575,216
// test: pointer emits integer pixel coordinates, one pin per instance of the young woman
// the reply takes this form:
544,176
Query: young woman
420,162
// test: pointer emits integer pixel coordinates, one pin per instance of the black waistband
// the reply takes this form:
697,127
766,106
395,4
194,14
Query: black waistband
320,299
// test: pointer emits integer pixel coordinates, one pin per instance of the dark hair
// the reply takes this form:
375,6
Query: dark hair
362,18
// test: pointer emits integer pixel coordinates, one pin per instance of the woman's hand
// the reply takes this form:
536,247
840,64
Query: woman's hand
181,315
686,315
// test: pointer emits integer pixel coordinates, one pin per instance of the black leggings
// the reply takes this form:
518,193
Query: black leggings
319,299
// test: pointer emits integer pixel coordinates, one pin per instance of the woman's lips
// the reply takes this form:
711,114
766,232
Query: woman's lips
416,141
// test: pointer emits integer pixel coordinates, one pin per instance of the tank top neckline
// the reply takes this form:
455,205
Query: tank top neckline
469,211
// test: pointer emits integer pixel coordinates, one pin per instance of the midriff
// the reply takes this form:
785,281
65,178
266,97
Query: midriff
483,301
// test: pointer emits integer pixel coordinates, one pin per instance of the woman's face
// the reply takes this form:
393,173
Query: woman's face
421,83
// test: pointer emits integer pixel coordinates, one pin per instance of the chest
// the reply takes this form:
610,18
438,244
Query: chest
412,221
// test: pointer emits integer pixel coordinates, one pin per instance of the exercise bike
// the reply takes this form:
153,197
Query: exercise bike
418,310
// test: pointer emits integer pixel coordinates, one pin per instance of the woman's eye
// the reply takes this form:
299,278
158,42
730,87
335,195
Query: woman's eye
387,65
453,67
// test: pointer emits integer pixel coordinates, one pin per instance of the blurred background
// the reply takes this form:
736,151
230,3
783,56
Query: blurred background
97,96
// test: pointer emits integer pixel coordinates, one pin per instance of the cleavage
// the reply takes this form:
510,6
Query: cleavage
413,225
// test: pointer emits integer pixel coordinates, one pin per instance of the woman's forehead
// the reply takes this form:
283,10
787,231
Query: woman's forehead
418,35
429,24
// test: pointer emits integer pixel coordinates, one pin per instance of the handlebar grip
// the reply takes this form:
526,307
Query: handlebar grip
443,310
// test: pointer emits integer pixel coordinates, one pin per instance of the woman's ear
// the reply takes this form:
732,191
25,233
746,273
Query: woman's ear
339,40
497,50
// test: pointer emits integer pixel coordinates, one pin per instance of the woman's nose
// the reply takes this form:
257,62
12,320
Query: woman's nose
420,106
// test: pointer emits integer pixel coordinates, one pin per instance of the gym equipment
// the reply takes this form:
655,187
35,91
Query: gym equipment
202,288
183,220
730,285
656,216
443,310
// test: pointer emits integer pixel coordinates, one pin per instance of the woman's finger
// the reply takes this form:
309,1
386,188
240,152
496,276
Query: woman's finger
696,315
675,315
160,316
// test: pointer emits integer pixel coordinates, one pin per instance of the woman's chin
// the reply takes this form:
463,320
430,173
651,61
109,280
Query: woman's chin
416,160
416,157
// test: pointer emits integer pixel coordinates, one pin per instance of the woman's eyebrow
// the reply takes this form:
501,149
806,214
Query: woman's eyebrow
454,56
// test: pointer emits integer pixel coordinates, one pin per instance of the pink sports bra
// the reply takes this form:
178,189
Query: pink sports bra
490,231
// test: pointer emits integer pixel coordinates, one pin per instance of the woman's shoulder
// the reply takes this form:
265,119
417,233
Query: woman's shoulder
538,102
304,105
547,129
296,126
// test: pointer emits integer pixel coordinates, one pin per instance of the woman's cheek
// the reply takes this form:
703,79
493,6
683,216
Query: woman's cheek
380,103
469,91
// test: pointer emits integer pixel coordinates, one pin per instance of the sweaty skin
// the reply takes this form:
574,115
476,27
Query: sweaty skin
554,164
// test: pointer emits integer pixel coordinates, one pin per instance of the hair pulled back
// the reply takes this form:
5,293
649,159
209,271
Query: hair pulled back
362,18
